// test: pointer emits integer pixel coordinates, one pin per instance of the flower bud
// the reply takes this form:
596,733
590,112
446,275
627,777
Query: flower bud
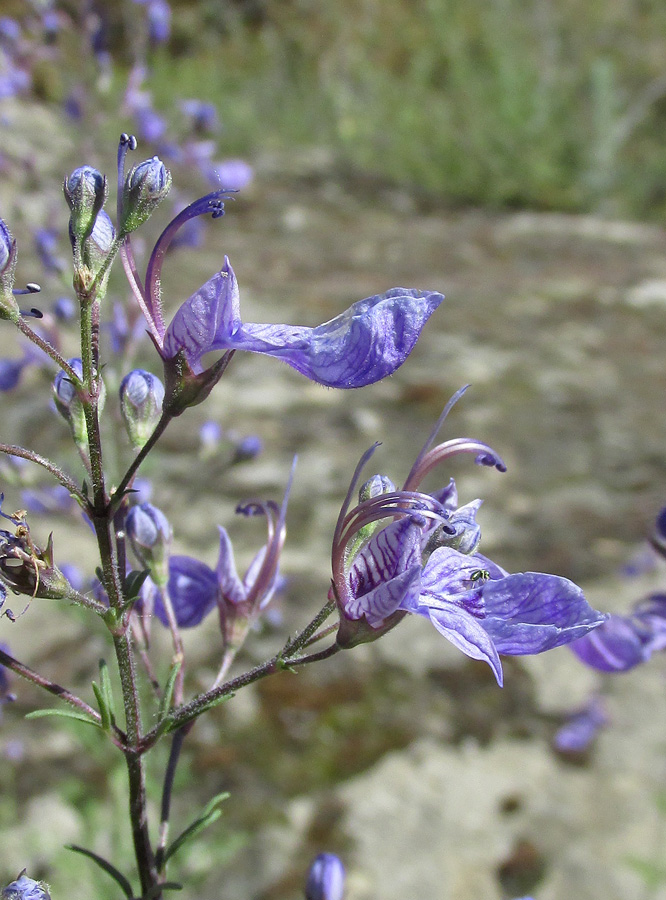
373,487
149,533
85,192
141,398
8,306
25,888
69,405
145,187
326,878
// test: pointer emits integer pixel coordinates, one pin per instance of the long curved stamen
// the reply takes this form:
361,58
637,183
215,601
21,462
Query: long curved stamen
277,536
128,142
212,203
435,431
393,504
485,456
350,492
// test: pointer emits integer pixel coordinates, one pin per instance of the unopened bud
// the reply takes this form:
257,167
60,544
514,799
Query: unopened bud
149,533
374,487
8,306
326,878
25,888
85,192
145,187
69,405
141,398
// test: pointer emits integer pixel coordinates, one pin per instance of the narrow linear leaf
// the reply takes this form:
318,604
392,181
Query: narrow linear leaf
165,886
106,866
133,583
167,697
63,713
210,814
103,708
107,688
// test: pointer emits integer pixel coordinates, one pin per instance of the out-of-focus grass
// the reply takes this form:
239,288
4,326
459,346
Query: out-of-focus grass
504,102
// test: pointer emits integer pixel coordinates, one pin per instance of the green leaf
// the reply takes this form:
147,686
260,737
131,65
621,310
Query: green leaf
104,711
133,583
65,714
210,814
167,697
107,688
165,886
107,866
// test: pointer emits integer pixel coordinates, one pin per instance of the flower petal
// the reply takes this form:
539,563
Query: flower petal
615,646
231,587
211,311
362,345
387,597
193,591
530,612
466,633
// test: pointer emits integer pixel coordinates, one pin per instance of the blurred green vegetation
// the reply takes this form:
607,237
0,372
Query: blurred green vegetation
549,105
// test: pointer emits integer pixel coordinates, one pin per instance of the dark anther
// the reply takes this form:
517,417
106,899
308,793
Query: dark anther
33,288
32,313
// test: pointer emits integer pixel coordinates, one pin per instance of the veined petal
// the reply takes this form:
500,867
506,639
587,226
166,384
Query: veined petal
362,345
449,573
387,597
388,554
530,612
211,312
231,587
466,633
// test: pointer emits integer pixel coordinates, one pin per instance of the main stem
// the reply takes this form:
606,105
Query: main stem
101,516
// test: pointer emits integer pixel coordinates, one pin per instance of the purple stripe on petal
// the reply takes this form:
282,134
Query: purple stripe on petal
387,597
388,553
613,647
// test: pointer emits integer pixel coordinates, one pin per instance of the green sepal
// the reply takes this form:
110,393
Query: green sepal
104,864
210,814
63,713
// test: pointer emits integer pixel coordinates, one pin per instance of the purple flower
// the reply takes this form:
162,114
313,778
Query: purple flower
10,373
195,589
232,174
581,727
326,878
422,563
623,642
362,345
